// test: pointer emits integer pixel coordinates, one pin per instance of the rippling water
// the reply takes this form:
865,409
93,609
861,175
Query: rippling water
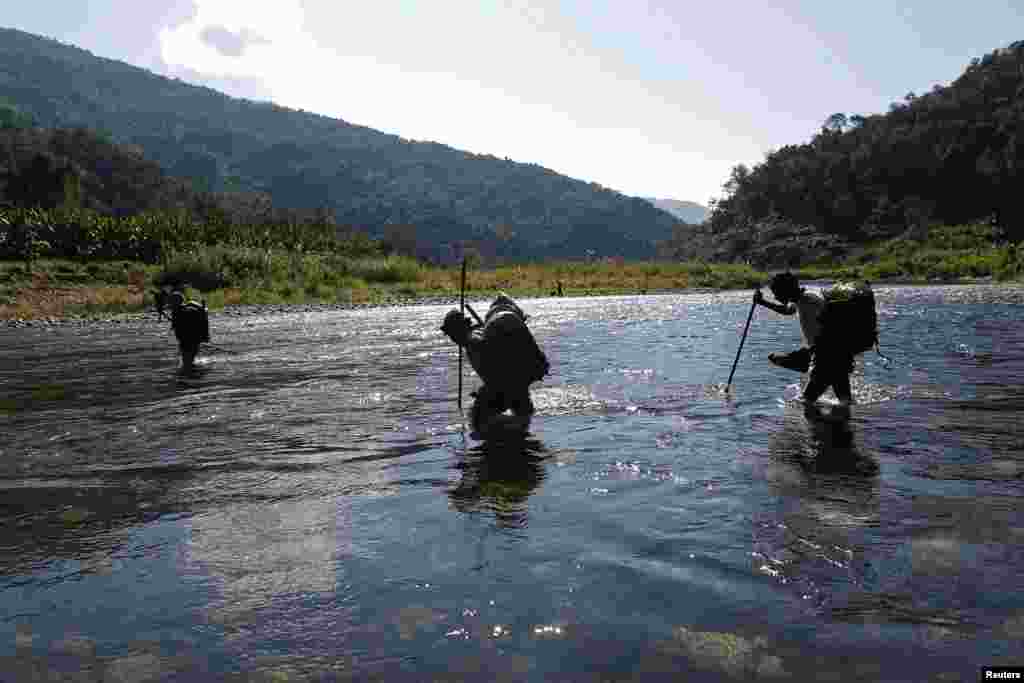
307,505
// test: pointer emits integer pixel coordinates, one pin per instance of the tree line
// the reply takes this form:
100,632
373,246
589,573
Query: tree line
951,156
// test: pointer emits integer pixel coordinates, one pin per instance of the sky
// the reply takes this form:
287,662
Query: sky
652,99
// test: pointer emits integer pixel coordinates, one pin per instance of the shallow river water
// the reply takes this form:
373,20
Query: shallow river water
308,506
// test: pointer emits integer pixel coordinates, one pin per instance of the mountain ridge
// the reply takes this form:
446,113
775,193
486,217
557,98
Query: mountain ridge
686,211
445,198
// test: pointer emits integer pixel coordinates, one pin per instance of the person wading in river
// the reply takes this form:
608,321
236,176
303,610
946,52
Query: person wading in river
825,354
504,355
191,326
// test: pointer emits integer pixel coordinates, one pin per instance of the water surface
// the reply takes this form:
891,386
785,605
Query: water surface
308,506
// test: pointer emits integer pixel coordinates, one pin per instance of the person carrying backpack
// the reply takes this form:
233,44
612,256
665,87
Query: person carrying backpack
504,355
836,325
191,326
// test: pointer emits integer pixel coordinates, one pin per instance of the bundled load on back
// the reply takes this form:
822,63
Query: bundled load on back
191,325
849,318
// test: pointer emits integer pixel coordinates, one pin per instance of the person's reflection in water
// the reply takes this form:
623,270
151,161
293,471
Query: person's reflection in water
815,532
498,476
822,443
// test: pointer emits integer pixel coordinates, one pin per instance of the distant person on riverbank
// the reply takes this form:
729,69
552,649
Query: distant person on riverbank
504,355
828,358
191,326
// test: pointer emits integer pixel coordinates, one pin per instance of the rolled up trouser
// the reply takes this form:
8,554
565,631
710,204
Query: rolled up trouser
491,401
831,368
188,343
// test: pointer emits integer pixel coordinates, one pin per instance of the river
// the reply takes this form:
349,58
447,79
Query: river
306,505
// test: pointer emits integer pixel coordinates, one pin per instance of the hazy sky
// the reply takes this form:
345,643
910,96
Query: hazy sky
648,98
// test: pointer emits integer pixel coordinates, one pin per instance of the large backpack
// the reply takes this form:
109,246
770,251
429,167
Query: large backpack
191,322
849,319
513,355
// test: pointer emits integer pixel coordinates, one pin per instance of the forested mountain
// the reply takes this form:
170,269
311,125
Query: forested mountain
50,168
688,212
434,195
951,156
81,169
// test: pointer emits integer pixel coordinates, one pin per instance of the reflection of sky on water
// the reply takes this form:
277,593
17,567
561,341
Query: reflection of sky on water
255,555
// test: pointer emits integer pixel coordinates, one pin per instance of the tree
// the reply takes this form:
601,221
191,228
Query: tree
11,117
401,239
737,179
40,183
835,123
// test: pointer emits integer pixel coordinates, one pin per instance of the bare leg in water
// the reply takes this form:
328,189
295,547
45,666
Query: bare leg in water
830,371
491,402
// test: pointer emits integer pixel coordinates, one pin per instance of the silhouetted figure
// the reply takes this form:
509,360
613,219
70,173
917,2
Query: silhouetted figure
504,355
832,361
160,302
191,326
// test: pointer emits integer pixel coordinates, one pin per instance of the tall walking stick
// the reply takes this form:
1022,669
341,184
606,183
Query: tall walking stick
462,311
742,339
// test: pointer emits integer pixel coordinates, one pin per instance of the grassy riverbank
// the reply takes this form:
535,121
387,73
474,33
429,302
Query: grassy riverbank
224,276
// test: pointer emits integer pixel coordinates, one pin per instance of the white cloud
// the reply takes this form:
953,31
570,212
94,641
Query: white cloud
510,81
278,23
228,43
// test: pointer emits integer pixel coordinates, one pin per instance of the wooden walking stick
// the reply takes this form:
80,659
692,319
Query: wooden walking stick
742,339
462,311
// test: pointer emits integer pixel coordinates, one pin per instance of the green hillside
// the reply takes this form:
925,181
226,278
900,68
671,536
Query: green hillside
437,197
950,157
